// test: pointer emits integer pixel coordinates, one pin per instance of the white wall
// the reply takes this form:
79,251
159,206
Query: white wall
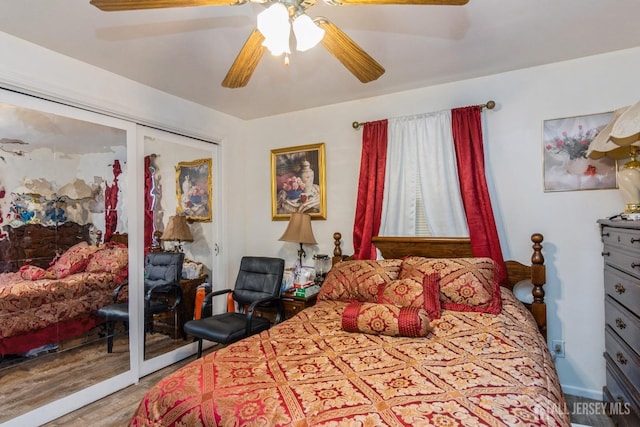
513,145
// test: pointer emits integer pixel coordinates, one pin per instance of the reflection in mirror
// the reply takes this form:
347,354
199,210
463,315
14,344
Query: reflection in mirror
61,199
178,225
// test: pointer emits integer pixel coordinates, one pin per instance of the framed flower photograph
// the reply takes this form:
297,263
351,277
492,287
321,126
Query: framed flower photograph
298,182
193,188
565,145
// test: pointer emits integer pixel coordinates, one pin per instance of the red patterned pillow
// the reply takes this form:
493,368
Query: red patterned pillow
33,272
466,284
113,258
385,319
358,280
74,260
419,291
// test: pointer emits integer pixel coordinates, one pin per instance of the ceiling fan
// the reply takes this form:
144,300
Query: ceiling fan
275,37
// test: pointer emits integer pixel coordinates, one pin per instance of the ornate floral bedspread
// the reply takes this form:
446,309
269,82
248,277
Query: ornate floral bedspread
29,305
474,369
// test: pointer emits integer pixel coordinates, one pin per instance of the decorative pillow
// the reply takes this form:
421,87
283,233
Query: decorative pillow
74,260
466,284
422,291
358,280
113,258
33,272
385,319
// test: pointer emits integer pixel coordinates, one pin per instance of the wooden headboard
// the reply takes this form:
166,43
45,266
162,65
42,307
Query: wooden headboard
453,247
37,244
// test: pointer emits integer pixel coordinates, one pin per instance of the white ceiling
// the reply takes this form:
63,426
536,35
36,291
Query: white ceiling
187,51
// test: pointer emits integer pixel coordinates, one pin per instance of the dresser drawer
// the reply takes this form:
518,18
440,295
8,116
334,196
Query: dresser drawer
625,359
624,238
628,262
623,322
619,392
623,288
291,308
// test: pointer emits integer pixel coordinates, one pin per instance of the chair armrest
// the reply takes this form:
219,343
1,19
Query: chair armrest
257,303
116,291
168,288
209,297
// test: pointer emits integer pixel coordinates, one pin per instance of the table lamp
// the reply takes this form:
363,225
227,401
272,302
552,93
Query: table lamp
178,231
620,140
299,231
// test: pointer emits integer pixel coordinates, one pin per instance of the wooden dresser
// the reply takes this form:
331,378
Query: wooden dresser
621,253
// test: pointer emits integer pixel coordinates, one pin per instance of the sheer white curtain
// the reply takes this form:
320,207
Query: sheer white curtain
421,192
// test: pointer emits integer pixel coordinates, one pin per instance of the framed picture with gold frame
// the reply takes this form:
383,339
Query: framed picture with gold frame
193,189
298,181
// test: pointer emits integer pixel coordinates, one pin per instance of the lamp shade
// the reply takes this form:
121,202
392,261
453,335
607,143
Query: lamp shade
274,25
603,145
307,33
626,130
299,229
177,230
76,189
620,139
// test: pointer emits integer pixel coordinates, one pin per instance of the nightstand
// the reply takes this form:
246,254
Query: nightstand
164,322
292,306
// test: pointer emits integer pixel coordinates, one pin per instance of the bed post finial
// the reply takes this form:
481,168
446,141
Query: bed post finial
538,279
337,250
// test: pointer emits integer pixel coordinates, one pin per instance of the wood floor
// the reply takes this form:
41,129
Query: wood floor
117,409
31,382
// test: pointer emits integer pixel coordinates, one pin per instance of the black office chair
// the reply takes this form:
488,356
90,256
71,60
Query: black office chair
258,284
162,293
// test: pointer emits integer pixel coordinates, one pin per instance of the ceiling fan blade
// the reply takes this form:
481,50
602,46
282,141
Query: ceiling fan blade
356,60
418,2
246,61
118,5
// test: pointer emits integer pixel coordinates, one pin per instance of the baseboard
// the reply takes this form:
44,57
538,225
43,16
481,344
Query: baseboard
583,392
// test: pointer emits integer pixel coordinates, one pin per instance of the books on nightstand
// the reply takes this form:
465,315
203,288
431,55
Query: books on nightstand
305,291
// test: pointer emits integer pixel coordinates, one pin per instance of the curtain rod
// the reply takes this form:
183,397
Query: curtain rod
489,105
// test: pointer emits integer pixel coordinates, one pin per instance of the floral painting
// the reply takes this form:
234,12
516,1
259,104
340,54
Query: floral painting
193,187
298,181
566,165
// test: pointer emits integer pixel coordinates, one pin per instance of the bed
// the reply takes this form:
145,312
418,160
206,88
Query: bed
337,364
56,281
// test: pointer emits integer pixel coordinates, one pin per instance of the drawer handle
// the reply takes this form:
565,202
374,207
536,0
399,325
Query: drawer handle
619,288
606,254
621,358
605,234
634,265
620,323
635,240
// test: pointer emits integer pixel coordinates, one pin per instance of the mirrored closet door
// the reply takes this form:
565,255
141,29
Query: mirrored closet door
64,191
180,225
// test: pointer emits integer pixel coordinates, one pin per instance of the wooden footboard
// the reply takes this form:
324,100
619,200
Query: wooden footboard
454,247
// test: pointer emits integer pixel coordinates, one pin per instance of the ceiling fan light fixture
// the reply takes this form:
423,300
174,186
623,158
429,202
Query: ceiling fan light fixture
307,33
274,25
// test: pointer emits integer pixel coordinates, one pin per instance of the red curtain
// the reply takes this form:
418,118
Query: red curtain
148,205
370,188
111,203
467,138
